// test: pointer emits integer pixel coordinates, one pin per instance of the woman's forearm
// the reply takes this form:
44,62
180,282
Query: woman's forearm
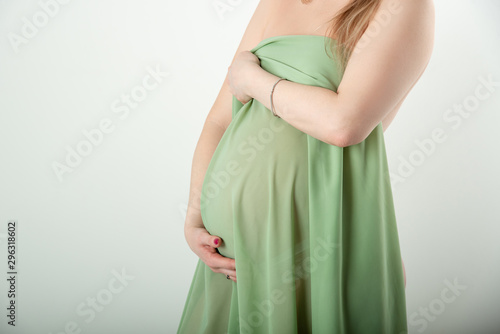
207,143
312,110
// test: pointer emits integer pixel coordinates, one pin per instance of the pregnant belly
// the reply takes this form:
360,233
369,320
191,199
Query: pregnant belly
259,164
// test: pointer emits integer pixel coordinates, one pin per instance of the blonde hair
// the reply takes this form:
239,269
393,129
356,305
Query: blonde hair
348,25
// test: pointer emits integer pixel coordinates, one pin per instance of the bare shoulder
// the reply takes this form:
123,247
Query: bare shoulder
400,29
416,24
413,18
256,26
394,51
397,6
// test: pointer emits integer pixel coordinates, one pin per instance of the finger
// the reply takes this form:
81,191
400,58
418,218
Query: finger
223,271
218,261
210,240
231,273
233,278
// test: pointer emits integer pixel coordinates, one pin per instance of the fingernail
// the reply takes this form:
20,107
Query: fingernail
216,241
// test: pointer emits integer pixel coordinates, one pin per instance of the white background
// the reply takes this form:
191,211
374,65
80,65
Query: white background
122,207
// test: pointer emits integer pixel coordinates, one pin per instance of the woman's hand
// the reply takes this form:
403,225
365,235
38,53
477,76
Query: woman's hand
205,246
240,75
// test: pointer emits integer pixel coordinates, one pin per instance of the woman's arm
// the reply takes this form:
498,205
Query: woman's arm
202,243
378,76
219,118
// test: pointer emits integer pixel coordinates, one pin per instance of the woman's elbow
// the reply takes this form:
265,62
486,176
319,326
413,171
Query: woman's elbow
345,129
345,137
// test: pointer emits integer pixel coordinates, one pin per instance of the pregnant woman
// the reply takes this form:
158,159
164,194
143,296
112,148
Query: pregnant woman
290,208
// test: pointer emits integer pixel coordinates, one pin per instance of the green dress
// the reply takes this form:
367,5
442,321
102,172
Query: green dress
311,226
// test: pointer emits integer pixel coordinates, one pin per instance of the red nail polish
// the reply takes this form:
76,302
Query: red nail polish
216,241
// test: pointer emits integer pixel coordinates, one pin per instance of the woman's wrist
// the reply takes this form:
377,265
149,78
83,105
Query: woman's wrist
259,83
193,218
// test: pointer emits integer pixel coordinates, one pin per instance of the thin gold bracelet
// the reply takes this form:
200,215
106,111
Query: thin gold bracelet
272,91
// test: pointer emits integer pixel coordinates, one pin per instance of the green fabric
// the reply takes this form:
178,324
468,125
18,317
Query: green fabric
312,226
